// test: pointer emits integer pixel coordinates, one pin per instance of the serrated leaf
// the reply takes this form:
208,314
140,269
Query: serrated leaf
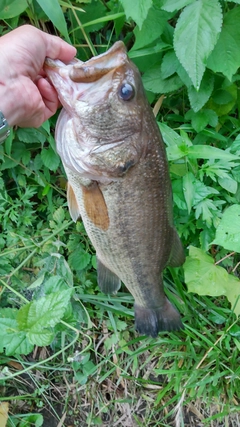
228,231
55,14
198,98
225,57
12,339
79,259
195,36
137,10
37,317
50,159
203,277
152,28
31,135
172,5
59,215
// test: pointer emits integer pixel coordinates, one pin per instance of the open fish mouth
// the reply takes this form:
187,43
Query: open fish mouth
91,70
79,80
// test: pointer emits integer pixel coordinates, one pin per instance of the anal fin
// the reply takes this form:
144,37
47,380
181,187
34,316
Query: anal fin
177,256
108,282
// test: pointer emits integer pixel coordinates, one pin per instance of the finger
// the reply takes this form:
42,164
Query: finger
57,48
49,97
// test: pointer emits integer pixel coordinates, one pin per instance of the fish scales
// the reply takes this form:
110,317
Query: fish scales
123,190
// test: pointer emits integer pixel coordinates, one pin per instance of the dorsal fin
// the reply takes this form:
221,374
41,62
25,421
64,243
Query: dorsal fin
72,203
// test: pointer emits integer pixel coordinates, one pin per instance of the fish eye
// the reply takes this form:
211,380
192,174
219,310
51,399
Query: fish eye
126,92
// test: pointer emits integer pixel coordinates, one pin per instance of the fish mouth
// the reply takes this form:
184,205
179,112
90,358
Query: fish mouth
91,70
85,81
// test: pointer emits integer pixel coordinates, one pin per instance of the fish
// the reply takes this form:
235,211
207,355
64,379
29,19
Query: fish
118,180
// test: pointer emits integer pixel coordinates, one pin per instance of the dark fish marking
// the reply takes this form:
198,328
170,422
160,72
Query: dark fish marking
108,282
95,206
150,321
72,204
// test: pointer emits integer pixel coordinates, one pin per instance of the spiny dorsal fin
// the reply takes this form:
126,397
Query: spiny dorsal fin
72,204
95,206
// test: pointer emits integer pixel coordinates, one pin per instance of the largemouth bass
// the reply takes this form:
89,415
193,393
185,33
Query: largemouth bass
118,180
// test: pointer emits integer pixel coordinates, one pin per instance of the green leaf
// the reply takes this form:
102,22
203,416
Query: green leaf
188,189
154,81
198,98
225,57
79,259
209,152
35,420
229,184
136,10
38,318
11,8
152,28
172,5
55,14
50,159
195,36
11,338
169,65
203,277
31,135
228,231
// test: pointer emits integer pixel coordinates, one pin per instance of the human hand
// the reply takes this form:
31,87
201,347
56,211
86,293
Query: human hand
27,98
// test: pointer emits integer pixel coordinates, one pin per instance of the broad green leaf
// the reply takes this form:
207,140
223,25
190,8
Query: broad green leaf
30,135
225,57
55,14
50,159
79,259
12,8
228,184
136,10
37,318
228,231
172,5
203,277
195,36
154,82
12,339
202,118
169,65
198,98
152,28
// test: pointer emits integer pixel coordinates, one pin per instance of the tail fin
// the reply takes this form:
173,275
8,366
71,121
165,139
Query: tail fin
150,321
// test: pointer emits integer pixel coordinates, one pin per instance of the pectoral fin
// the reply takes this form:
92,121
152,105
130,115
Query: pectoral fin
108,282
72,204
95,206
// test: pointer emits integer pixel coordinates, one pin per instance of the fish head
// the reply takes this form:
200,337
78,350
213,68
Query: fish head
99,134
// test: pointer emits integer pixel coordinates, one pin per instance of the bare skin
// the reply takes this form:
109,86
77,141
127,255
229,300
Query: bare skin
27,98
